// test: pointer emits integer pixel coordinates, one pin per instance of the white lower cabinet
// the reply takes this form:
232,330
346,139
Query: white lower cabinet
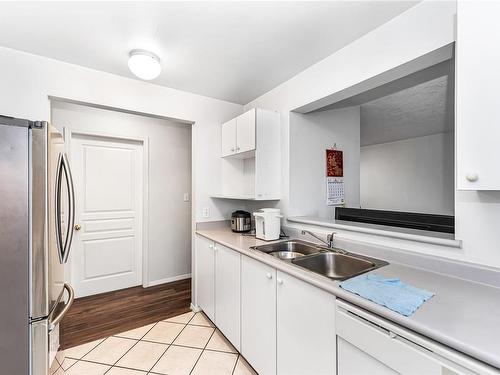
227,293
258,315
205,276
287,325
305,328
283,325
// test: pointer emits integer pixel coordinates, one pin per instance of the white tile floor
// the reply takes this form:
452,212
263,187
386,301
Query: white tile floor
182,345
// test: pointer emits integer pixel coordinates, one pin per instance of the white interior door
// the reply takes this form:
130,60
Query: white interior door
107,250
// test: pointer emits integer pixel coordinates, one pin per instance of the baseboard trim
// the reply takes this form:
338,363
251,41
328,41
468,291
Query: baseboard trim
169,280
195,308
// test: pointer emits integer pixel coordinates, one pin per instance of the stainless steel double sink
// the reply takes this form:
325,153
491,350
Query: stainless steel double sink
333,263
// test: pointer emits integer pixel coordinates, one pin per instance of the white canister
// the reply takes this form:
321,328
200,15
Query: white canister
268,224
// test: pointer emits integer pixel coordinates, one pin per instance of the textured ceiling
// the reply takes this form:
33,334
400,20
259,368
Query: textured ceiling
234,51
424,109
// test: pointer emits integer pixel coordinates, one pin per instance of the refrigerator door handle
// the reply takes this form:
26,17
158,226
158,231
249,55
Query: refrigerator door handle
72,208
53,322
63,167
57,203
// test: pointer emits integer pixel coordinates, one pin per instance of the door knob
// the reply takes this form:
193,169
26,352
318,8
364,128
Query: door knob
78,227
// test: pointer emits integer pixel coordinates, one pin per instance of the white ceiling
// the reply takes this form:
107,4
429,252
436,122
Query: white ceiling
234,51
424,109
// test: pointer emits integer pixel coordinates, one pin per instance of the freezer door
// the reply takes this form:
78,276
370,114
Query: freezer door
44,335
14,239
62,307
39,348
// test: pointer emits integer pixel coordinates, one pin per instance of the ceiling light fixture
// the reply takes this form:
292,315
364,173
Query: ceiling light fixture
144,64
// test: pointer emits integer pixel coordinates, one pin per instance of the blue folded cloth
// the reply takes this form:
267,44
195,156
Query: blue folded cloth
391,293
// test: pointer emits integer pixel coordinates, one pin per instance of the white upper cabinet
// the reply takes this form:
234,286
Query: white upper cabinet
238,135
251,156
245,131
228,131
477,101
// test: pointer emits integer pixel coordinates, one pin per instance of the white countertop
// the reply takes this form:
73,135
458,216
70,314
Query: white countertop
463,315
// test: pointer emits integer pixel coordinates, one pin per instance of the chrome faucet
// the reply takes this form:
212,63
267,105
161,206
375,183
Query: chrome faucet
329,238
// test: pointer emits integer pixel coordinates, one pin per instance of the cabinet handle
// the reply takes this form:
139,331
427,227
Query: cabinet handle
237,148
210,246
232,149
269,276
472,177
280,281
215,248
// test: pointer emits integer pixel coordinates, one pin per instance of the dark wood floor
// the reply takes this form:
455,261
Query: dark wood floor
94,317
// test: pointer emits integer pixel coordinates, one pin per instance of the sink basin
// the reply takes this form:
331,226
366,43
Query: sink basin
338,266
317,258
288,250
286,255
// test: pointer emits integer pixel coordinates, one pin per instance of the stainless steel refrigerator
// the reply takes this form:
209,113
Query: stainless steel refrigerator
37,209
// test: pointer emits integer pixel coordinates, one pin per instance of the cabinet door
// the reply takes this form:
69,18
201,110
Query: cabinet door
258,315
228,138
306,339
205,267
227,293
245,133
478,79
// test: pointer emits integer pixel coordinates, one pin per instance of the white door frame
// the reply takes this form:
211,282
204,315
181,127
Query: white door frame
194,139
68,134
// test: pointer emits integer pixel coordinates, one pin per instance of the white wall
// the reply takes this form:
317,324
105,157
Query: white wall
169,219
413,175
28,80
310,136
399,41
426,27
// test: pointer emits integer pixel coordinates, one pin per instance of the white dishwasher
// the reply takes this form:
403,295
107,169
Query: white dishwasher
370,345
